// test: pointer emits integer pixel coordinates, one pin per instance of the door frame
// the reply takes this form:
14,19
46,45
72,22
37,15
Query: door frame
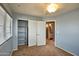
55,28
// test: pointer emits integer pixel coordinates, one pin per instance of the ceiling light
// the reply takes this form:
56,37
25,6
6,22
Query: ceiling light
52,8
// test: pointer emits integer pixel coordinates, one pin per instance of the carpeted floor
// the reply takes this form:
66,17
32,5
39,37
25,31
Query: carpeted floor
48,50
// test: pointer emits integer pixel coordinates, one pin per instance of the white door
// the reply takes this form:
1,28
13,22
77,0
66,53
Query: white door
41,33
32,32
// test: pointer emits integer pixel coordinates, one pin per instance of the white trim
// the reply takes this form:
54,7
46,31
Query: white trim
22,19
55,28
12,51
16,34
66,50
15,49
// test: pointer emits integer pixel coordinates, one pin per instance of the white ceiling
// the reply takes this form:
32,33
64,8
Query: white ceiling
39,9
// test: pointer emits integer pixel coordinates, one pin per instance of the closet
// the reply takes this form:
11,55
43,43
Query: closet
31,32
22,32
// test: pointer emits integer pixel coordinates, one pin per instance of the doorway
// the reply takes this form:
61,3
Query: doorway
22,32
50,32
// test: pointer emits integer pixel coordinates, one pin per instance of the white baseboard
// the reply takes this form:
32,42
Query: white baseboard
15,49
12,51
66,50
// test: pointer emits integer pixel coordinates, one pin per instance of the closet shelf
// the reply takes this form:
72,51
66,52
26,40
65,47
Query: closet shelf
21,26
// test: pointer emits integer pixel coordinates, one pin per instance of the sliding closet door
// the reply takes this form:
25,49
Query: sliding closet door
32,32
41,33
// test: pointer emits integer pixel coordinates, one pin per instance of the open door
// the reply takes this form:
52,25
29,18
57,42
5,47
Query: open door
32,32
41,33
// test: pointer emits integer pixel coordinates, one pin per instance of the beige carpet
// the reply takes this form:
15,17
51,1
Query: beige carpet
48,50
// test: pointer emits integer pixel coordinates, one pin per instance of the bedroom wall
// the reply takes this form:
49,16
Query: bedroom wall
6,47
67,31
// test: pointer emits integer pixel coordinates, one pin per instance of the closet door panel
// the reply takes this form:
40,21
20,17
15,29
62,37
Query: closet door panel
32,32
41,36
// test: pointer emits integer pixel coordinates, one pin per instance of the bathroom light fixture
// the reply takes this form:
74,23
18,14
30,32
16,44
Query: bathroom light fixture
52,8
46,25
50,24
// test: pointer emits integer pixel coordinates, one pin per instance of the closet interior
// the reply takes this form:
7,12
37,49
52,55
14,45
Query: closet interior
22,32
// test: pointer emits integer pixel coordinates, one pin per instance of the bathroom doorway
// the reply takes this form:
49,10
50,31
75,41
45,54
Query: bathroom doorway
50,32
